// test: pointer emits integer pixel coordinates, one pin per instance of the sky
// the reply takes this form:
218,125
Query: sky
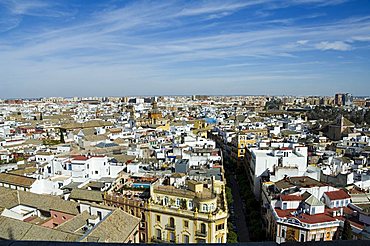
121,48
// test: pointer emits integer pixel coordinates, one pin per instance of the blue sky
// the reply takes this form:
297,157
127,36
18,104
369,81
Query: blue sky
118,48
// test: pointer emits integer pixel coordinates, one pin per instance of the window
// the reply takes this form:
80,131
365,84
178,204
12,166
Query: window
165,201
96,172
158,234
220,227
190,206
203,228
313,210
158,218
283,233
185,239
172,237
313,237
337,204
99,215
178,202
302,237
55,216
172,222
64,218
284,206
205,207
88,166
186,223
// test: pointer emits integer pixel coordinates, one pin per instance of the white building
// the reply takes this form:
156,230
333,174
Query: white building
276,163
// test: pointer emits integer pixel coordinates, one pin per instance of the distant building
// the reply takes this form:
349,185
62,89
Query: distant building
343,99
340,128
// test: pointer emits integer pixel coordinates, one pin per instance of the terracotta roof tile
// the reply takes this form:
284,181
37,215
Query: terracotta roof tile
337,195
291,198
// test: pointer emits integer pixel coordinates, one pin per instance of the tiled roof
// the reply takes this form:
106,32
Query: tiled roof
303,181
337,195
86,195
18,180
19,230
116,227
313,201
10,198
303,217
290,197
80,158
75,223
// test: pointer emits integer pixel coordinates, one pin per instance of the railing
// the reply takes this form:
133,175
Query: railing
162,240
170,227
200,233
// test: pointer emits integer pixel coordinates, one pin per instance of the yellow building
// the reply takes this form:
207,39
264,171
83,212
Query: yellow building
194,215
288,232
243,139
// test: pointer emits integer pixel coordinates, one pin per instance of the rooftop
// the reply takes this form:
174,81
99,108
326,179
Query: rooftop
337,195
302,181
15,179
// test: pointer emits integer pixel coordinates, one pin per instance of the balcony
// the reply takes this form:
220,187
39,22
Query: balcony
161,240
200,233
170,227
158,240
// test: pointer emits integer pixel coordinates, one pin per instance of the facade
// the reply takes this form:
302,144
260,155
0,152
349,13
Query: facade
194,215
343,99
275,163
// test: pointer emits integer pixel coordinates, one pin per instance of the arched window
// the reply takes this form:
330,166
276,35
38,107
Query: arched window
142,216
172,222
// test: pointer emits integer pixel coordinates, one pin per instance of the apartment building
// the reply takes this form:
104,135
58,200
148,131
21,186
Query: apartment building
195,214
274,163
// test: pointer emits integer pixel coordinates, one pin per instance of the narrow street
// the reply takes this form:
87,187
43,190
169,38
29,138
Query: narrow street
240,221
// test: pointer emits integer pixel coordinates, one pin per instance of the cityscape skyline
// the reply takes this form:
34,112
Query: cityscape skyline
185,95
65,48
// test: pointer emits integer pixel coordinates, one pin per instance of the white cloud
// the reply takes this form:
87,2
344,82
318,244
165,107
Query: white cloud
302,42
35,8
125,43
361,38
218,15
217,7
336,45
